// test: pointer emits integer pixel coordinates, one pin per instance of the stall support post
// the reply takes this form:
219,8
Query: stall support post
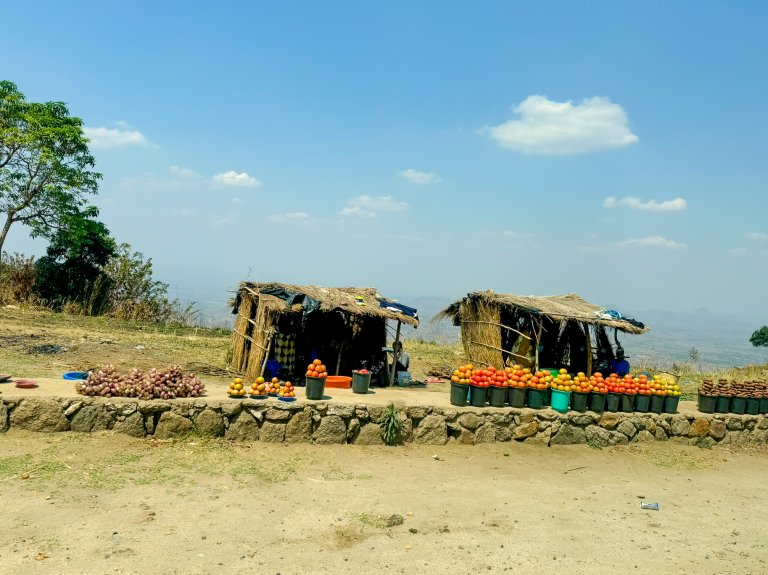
589,350
394,354
538,340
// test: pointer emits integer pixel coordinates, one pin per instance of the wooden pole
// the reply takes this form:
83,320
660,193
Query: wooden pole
589,351
338,361
266,354
497,349
538,340
394,354
520,333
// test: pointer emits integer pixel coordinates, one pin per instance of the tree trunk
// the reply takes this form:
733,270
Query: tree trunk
4,233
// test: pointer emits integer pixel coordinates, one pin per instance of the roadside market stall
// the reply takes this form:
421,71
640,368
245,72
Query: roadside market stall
553,331
282,327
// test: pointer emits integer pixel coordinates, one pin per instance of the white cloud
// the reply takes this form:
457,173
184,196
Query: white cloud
675,205
182,172
369,206
652,242
235,201
115,137
417,177
756,236
232,178
562,128
739,251
357,211
289,217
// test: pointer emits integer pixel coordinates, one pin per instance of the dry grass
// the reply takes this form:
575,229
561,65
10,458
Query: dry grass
82,342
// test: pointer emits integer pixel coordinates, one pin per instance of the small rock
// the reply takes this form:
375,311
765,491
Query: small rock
412,530
394,520
408,547
139,347
410,514
436,457
641,496
25,475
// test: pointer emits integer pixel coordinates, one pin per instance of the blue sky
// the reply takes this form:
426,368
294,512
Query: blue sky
612,149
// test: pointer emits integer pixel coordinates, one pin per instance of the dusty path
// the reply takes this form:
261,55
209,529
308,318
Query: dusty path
103,503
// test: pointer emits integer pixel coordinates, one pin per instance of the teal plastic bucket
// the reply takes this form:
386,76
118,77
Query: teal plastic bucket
536,398
560,400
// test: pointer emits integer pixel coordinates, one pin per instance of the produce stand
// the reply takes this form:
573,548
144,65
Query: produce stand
280,326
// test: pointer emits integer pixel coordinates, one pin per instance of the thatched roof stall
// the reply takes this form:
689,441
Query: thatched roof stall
344,326
551,331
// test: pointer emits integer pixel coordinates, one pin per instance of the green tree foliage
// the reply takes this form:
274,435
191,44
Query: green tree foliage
46,170
72,269
135,294
760,337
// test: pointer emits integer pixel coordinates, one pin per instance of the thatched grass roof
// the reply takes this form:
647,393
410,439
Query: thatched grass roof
342,299
557,307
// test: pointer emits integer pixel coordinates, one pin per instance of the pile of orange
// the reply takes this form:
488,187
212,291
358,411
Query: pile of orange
287,390
598,383
259,387
563,381
236,388
316,369
463,374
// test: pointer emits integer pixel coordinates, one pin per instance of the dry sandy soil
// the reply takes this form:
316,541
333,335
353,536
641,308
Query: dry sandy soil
104,503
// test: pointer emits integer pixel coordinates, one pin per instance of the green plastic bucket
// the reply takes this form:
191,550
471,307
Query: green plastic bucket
497,395
560,400
478,396
360,382
723,403
612,402
670,403
315,387
707,403
517,396
764,405
657,403
579,401
597,402
642,403
753,406
738,405
459,393
537,398
627,403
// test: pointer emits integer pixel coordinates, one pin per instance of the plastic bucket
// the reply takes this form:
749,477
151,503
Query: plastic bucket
657,403
537,398
361,382
315,387
723,403
497,395
597,402
707,403
753,406
764,405
738,405
516,396
579,401
642,403
459,393
627,403
478,396
560,400
670,403
612,402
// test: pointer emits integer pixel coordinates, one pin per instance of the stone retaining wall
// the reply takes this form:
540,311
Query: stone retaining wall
330,422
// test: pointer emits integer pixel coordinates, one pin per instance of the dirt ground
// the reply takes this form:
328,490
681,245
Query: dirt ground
102,503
